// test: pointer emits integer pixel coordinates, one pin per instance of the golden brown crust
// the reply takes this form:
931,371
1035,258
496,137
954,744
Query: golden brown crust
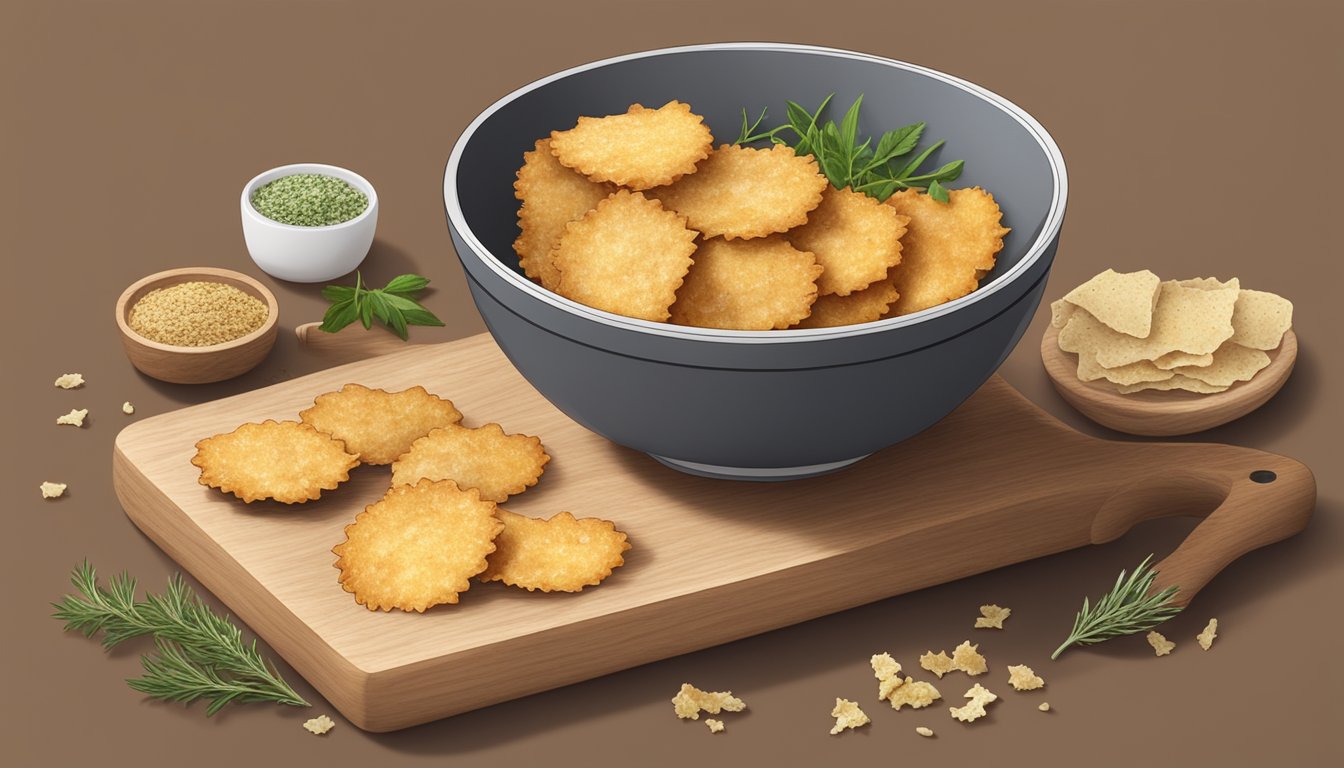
376,424
285,461
863,306
640,149
856,239
552,196
754,285
562,554
484,458
947,247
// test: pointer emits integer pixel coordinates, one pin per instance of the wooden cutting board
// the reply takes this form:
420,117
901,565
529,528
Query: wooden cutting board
996,482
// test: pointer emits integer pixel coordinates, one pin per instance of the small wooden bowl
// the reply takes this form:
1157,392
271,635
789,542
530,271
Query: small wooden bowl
197,365
1162,414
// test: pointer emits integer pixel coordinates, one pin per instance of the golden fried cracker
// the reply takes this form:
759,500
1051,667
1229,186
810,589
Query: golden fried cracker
847,716
947,247
378,425
561,554
1023,678
484,458
1122,301
912,693
640,149
974,709
1231,363
1260,319
744,192
285,461
967,658
939,664
992,617
751,285
856,239
690,701
417,547
863,306
552,196
627,256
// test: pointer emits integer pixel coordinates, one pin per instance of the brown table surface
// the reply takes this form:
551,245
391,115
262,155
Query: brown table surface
1201,138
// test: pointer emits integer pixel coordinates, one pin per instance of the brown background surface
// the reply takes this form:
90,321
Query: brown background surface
1201,138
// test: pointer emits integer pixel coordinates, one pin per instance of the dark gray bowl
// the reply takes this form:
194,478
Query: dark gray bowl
758,405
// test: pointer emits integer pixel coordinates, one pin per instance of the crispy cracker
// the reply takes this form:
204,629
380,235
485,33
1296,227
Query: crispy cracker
561,554
1231,363
1134,373
1122,301
1260,319
1206,637
640,149
865,306
752,285
627,256
967,658
378,425
1161,645
974,709
855,238
1178,381
744,192
552,196
484,458
285,461
847,716
691,701
417,547
1177,359
1023,678
939,664
1186,319
992,617
915,694
947,247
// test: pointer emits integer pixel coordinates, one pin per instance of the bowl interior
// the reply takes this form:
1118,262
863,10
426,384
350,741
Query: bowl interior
1003,154
178,276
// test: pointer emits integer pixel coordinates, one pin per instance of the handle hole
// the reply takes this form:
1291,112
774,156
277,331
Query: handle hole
1263,476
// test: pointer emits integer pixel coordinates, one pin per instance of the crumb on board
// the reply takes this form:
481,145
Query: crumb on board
715,726
992,616
70,380
1161,645
1206,637
1045,706
52,490
924,730
319,725
690,701
74,418
127,408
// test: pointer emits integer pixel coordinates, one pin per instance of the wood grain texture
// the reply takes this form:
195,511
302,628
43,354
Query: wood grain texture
353,342
1153,413
996,482
197,365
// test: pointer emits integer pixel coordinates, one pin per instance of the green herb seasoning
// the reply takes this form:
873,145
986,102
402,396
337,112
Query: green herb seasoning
309,200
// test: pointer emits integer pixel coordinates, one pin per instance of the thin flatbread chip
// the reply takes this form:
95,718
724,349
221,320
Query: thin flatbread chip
992,617
640,149
947,247
939,664
740,192
975,708
691,701
1186,319
484,458
1023,678
284,461
1260,319
1161,645
968,659
378,425
552,196
1134,373
751,285
1177,359
847,716
865,306
1178,381
417,547
1206,637
855,238
1122,301
561,554
1231,363
628,255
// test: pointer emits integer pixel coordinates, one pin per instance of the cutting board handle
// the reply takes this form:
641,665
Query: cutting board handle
1248,499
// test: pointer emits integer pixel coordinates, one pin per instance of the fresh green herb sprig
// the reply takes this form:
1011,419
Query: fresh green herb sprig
201,655
863,167
1125,610
393,304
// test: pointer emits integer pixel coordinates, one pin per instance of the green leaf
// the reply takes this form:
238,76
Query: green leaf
339,315
898,142
338,293
849,124
913,165
938,191
377,302
405,284
421,317
366,313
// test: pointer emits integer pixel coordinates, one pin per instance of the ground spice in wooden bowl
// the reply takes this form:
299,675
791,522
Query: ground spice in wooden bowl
197,314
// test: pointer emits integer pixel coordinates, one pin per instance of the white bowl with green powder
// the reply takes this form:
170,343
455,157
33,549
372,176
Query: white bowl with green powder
309,222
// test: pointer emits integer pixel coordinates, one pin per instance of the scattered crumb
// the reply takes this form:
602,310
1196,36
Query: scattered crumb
1161,645
74,418
1045,706
127,408
939,665
52,490
967,658
992,616
847,715
1206,637
319,725
924,731
1022,678
715,726
916,694
70,380
690,700
975,709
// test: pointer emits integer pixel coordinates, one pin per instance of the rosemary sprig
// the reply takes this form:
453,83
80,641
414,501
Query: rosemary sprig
201,655
1125,610
393,304
863,167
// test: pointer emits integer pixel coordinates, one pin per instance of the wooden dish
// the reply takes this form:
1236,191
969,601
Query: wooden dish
1156,413
197,365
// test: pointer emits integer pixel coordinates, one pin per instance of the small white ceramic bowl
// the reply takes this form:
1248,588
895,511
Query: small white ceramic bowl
308,254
